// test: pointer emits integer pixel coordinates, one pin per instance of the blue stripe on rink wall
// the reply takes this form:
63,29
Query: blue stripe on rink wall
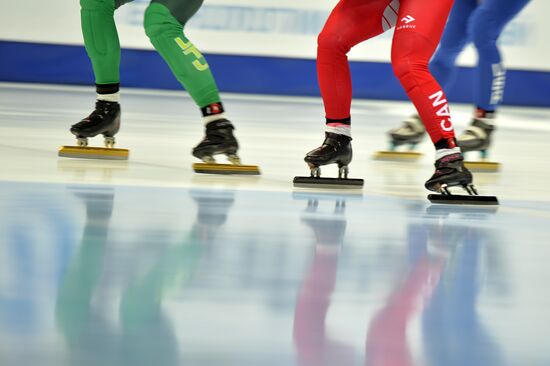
61,64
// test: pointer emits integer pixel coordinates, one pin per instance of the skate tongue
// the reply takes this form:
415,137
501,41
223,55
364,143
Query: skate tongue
483,124
451,157
443,156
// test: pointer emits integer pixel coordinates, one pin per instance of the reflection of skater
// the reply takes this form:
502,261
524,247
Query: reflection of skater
387,335
74,314
479,22
145,334
314,346
453,332
164,22
419,25
386,342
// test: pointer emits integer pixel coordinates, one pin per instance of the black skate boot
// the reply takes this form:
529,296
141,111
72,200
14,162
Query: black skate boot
409,134
219,139
105,120
336,149
451,172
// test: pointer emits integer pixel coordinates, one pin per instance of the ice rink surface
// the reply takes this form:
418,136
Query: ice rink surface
146,263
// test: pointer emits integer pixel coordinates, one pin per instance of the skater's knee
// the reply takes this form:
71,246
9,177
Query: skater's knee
91,5
407,67
158,20
445,57
441,68
333,41
409,60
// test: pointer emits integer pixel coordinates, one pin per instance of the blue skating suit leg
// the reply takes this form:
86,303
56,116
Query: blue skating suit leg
479,22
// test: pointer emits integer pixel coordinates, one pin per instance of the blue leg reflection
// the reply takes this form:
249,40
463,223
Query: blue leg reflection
453,333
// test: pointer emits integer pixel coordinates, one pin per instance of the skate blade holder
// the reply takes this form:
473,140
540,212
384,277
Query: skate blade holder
208,168
318,182
446,197
482,166
86,152
397,155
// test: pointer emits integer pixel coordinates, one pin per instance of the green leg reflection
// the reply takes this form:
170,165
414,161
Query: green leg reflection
75,295
145,334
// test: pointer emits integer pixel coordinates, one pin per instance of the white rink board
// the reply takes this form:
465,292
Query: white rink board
279,28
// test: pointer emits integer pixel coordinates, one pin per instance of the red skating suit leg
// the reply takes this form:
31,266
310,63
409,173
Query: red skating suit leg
417,34
351,22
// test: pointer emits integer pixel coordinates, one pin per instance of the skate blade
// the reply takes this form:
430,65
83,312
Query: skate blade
397,155
311,182
206,168
482,166
459,199
93,153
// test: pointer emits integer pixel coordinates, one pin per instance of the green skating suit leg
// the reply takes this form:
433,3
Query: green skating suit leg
101,38
103,48
164,22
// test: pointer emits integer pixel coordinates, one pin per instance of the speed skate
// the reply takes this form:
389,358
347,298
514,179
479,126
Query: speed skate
336,149
450,172
219,140
104,120
408,135
477,138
